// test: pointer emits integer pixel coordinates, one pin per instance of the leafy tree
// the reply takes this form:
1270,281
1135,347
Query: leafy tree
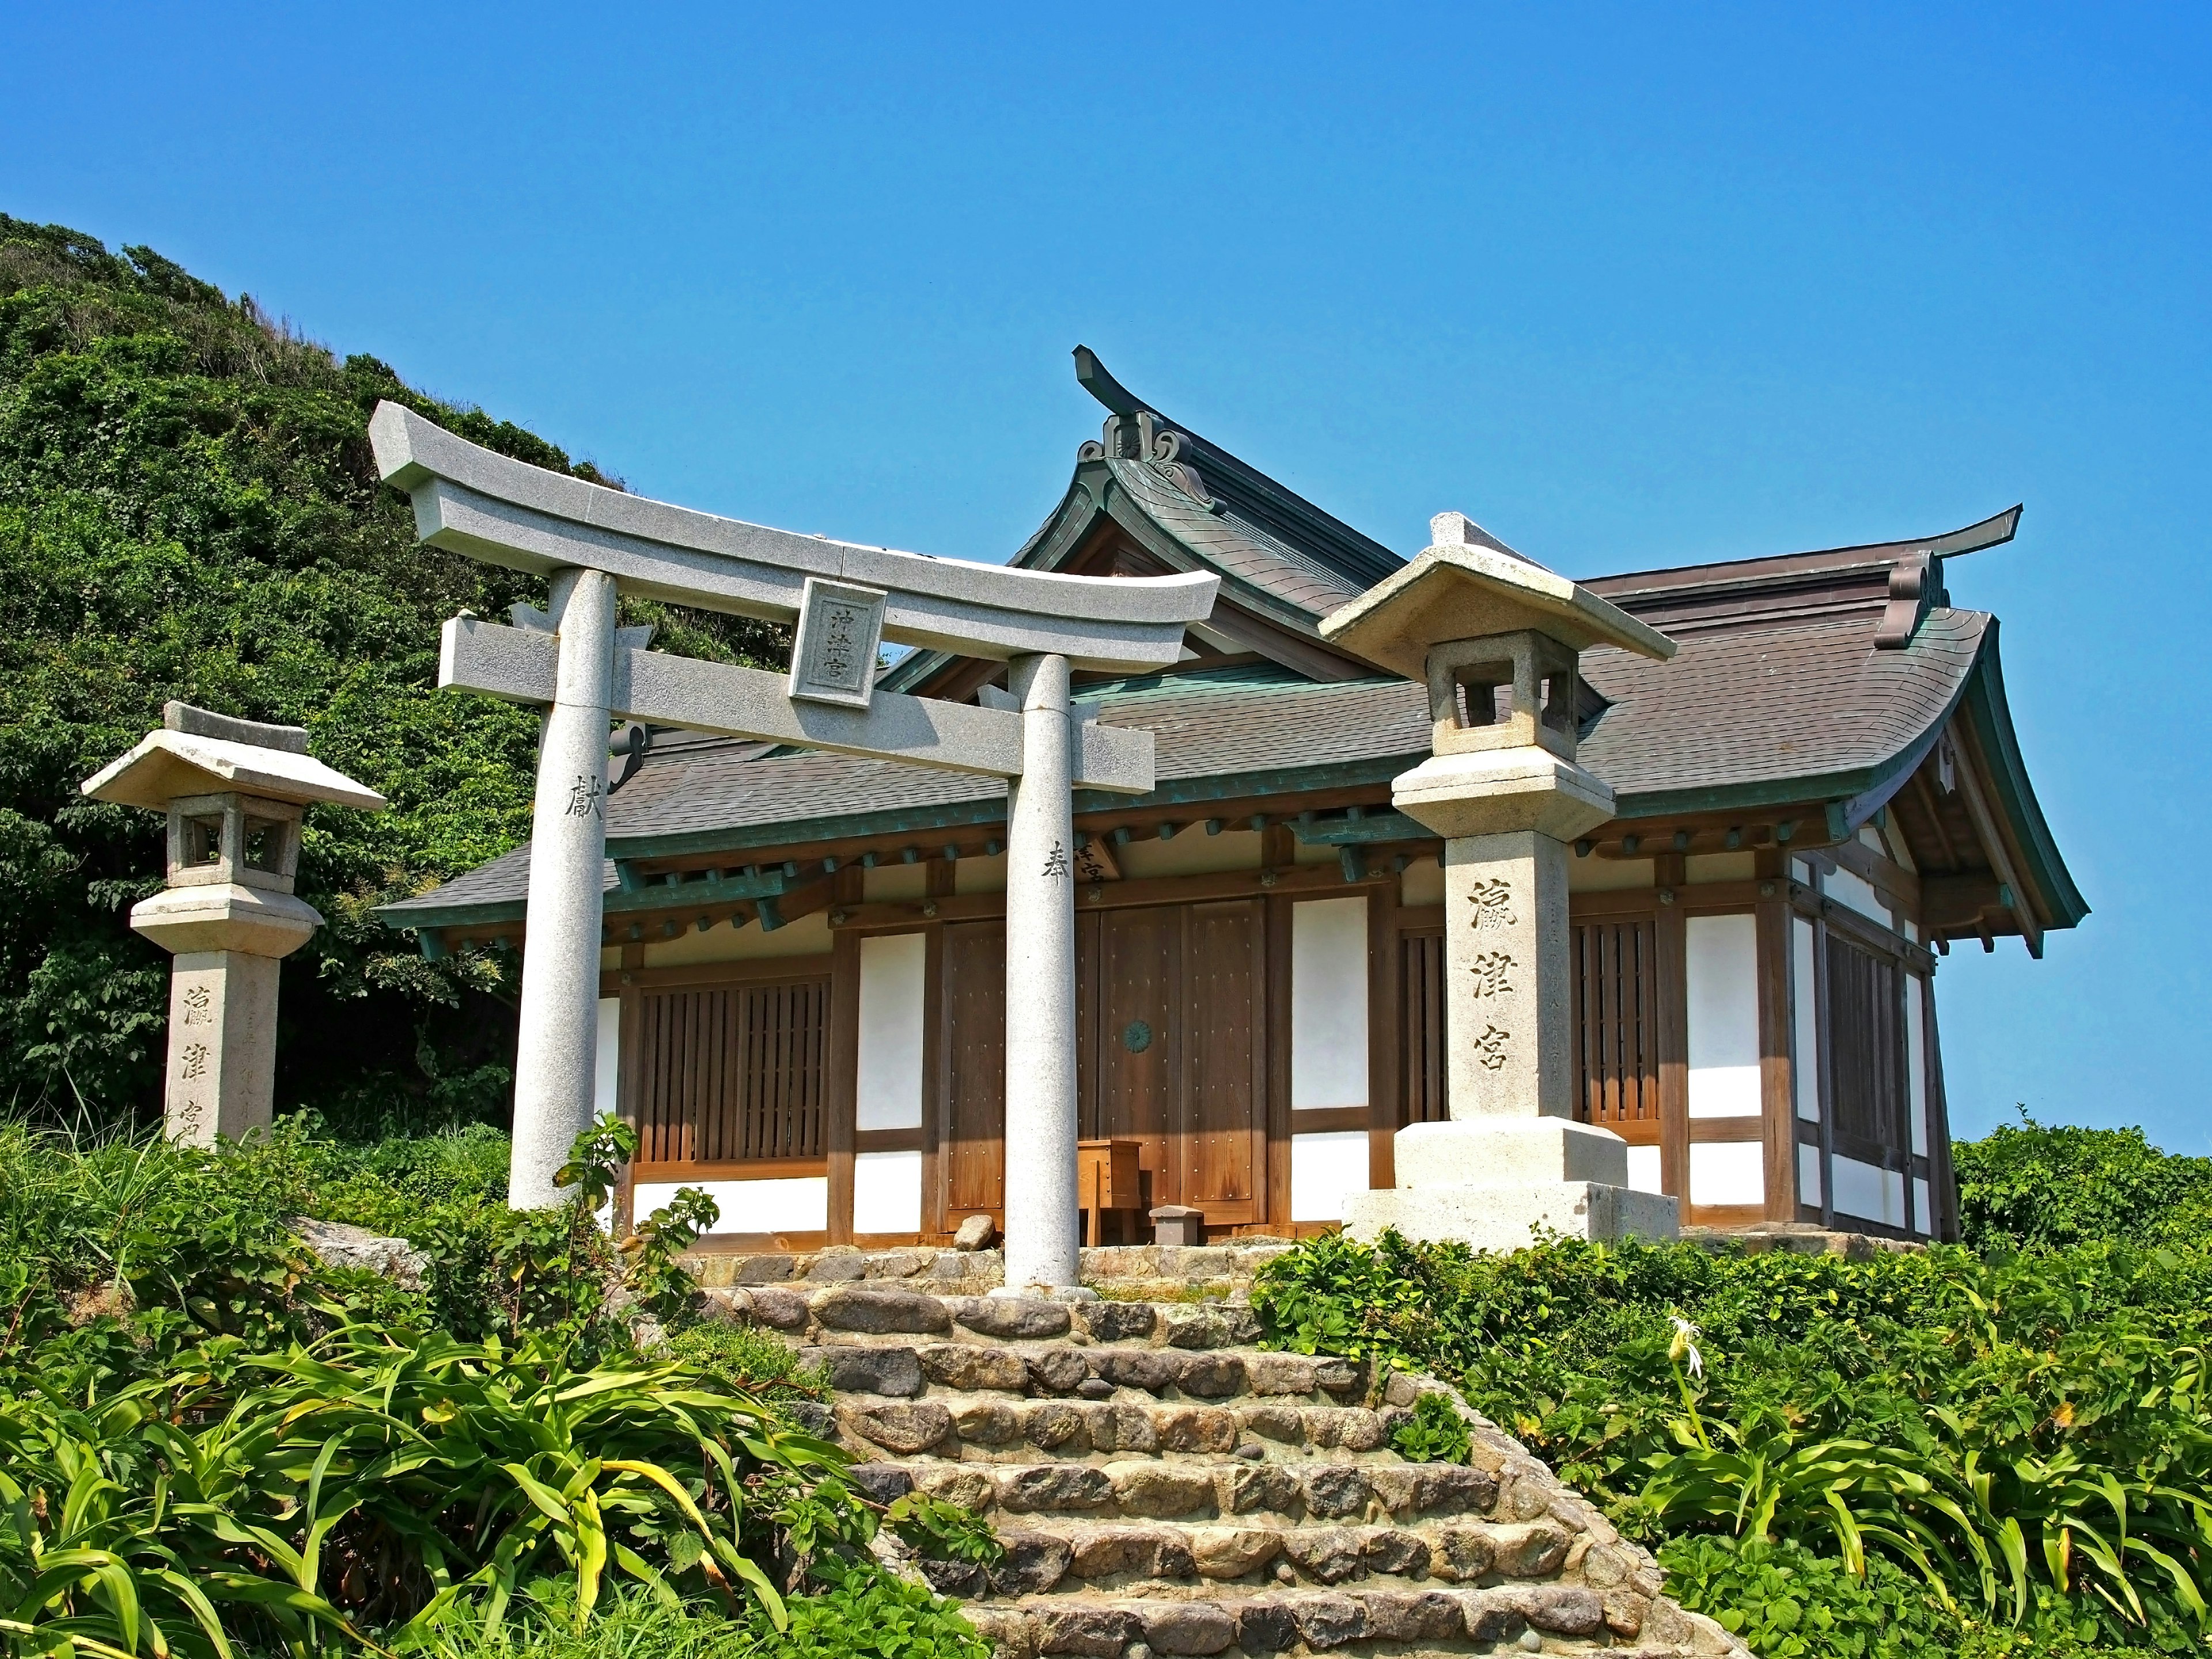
189,508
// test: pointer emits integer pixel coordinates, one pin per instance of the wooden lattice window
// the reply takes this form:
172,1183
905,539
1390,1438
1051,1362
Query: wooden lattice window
1421,1001
732,1073
1616,1021
1866,1041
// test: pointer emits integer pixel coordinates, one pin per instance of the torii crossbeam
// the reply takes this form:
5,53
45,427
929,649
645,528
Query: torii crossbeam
592,542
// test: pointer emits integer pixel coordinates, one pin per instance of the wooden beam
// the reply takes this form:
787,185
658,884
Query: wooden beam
1385,1090
1671,937
1990,834
1777,1097
1112,894
841,1086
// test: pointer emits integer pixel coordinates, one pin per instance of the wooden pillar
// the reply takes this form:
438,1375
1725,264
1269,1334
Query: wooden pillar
935,1079
841,1089
1671,946
1385,1090
1943,1182
1777,1100
1277,1039
629,1078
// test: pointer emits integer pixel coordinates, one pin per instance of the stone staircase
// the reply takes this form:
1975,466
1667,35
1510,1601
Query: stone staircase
1165,1487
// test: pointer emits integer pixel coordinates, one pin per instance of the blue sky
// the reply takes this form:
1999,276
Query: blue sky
1630,286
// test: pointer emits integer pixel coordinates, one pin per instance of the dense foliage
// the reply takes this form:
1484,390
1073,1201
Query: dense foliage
189,508
2026,1434
212,1443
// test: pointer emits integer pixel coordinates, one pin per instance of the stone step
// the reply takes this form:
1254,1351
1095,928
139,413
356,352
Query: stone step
992,1428
1150,1556
1164,1271
861,1313
1624,1619
902,1368
1231,1490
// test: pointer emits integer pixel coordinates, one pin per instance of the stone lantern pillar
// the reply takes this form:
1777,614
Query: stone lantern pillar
1496,639
234,792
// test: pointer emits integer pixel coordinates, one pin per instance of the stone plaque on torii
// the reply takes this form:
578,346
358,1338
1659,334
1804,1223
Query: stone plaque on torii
590,542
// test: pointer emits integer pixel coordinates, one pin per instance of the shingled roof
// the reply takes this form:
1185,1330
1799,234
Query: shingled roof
1822,677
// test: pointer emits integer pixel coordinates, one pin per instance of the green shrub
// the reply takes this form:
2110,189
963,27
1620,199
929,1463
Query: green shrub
2033,1184
1789,1602
1435,1434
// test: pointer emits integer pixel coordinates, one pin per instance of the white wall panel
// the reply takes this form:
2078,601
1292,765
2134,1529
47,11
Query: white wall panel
1804,1021
1858,893
1328,1005
1323,1168
1727,1172
1723,998
1916,1063
797,1204
1808,1174
890,1066
1870,1193
1644,1168
606,1067
887,1192
1923,1217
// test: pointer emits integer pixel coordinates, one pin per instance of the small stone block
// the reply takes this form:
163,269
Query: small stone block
1178,1224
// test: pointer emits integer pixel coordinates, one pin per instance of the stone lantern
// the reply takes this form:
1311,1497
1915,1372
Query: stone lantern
1496,638
234,792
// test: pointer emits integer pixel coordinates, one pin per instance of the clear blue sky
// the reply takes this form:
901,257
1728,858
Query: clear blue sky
1632,287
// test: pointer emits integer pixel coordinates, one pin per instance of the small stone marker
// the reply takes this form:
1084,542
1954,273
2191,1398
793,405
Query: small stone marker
1495,636
234,792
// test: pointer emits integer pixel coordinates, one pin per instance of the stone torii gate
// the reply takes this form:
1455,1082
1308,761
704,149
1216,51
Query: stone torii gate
592,542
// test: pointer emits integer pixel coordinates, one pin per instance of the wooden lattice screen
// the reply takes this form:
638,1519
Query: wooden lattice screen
732,1073
1616,1022
1422,1002
1866,1041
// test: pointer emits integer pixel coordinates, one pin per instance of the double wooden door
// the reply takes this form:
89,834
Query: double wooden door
1172,1053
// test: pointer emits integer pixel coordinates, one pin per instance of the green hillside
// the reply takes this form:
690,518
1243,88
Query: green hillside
189,508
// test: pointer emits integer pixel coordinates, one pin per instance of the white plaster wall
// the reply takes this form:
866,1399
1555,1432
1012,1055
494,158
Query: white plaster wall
1808,1174
1323,1168
1727,1172
1720,866
1870,1193
890,1066
1644,1168
980,875
1804,1021
1923,1208
887,1192
1317,854
1855,892
607,1065
1192,853
808,936
1328,1006
1723,999
796,1204
1916,1064
1597,875
891,884
1423,883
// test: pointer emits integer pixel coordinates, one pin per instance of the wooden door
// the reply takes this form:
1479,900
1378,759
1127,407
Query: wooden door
971,1137
1224,1142
1137,1002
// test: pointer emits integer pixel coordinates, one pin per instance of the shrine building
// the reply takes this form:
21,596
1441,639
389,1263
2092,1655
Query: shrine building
1818,796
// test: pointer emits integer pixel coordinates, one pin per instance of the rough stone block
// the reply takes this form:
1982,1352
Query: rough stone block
1462,1554
1232,1552
1119,1322
1492,1616
1330,1555
1057,1371
1012,1318
1195,1428
1054,1487
1340,1376
1265,1626
1277,1422
1412,1615
1187,1628
1625,1611
1562,1609
964,1579
1116,1427
880,1310
1149,1369
1452,1489
1335,1489
1012,1633
905,1426
1055,1426
779,1309
1330,1621
1212,1376
1033,1563
762,1269
970,1366
974,1232
1396,1553
1085,1629
1161,1490
897,1264
840,1262
891,1371
1279,1373
962,1485
881,1482
987,1422
1395,1486
1259,1489
1527,1551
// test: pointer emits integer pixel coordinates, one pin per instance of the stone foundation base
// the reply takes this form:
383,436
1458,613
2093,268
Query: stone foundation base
1509,1218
